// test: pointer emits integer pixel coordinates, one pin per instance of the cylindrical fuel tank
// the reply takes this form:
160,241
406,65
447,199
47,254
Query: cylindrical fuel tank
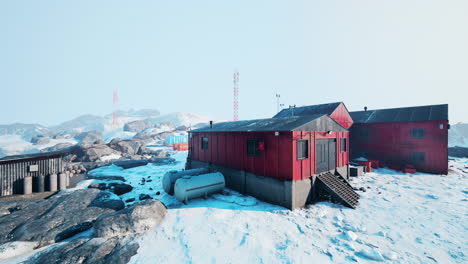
191,187
171,177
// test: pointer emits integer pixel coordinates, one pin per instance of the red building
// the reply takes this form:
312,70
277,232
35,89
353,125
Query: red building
277,159
416,136
337,111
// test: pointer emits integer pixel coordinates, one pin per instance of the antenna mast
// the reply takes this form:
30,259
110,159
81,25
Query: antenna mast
278,103
236,95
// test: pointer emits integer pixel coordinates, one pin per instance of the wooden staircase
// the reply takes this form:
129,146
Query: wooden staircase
339,189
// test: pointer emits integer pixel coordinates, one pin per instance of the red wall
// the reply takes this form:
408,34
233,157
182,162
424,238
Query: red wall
279,160
392,143
229,149
342,116
302,169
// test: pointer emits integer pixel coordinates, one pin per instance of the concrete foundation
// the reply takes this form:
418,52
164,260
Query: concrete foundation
289,194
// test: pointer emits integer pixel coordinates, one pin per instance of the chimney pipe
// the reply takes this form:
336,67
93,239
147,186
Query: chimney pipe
365,108
211,124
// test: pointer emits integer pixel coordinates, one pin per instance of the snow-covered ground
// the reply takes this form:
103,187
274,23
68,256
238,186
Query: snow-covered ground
401,218
16,145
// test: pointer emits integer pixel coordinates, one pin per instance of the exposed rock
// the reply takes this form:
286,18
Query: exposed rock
182,128
160,154
40,140
162,160
84,250
59,146
120,188
130,200
73,230
137,126
93,153
108,178
127,164
137,218
89,138
126,146
58,136
144,196
99,142
43,220
100,186
458,152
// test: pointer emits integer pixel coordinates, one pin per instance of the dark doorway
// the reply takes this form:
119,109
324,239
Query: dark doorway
325,155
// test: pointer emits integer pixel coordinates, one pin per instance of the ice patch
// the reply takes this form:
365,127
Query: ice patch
350,236
371,254
390,256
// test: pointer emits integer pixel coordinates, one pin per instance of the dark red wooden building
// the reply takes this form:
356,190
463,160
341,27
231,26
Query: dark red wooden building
273,159
337,111
416,136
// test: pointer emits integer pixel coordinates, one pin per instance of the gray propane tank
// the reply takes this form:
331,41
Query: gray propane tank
171,177
191,187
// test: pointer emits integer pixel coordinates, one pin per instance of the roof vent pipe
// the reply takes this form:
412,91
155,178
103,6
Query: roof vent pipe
365,108
211,124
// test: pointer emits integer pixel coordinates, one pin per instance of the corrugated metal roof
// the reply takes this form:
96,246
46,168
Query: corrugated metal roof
294,123
321,109
405,114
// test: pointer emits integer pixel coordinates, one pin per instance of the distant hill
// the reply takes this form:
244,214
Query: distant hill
181,119
27,131
458,135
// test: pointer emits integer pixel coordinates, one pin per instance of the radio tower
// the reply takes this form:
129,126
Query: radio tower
236,95
114,106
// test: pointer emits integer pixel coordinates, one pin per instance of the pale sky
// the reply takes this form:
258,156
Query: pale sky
62,59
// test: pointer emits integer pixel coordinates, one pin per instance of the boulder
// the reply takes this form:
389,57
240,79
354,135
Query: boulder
137,126
88,138
127,164
162,161
120,188
126,146
93,153
85,250
137,218
144,196
44,220
160,154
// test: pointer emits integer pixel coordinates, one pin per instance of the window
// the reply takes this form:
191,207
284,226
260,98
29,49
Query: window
302,149
343,145
417,157
204,143
252,147
418,133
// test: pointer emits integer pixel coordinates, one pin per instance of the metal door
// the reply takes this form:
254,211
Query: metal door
325,155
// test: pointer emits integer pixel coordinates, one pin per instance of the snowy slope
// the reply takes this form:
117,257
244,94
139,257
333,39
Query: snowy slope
401,219
181,119
458,135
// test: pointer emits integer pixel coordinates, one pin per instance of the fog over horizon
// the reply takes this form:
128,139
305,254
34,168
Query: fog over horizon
61,60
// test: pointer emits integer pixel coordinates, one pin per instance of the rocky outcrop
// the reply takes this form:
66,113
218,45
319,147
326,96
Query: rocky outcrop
137,218
93,153
59,146
57,218
458,152
126,146
88,138
127,164
137,126
40,140
113,250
